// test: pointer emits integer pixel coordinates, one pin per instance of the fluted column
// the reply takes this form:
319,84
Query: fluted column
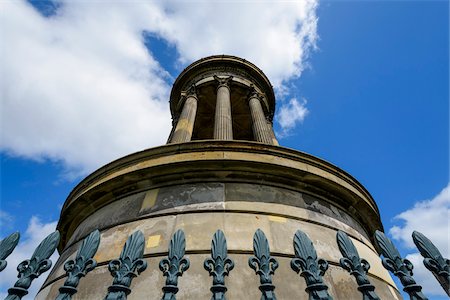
223,128
261,130
185,124
272,134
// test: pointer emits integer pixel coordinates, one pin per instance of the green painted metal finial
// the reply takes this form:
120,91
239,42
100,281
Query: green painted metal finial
263,264
7,246
218,265
80,266
356,266
402,268
433,260
32,268
312,269
129,265
174,265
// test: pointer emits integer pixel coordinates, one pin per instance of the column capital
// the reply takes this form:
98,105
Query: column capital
190,92
223,81
253,93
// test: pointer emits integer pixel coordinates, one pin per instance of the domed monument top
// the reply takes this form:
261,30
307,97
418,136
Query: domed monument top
222,97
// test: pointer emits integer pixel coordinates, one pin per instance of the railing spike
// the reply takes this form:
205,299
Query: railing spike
402,268
218,265
32,268
355,265
433,260
263,264
312,269
174,265
80,266
7,246
129,265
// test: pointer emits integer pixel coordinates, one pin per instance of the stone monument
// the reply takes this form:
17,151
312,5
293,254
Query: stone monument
221,169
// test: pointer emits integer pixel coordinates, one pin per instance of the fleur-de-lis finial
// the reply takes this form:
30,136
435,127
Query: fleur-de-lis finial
80,266
129,265
433,260
174,265
263,264
32,268
312,269
218,265
7,246
355,265
402,268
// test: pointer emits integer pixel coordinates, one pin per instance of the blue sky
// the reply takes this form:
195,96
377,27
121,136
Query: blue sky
371,82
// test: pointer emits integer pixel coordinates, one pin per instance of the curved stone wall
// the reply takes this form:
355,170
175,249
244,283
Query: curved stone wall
237,187
238,220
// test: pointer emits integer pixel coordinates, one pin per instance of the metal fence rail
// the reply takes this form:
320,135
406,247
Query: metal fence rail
131,264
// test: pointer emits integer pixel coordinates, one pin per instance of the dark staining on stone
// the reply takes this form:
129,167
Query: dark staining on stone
127,208
122,210
261,193
170,197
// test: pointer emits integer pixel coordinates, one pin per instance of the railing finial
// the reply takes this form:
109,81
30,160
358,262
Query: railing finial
80,266
355,265
218,265
433,260
174,265
129,265
312,269
32,268
402,268
263,264
7,246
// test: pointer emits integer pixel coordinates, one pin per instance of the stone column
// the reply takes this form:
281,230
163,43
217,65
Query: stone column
261,130
272,134
185,124
223,128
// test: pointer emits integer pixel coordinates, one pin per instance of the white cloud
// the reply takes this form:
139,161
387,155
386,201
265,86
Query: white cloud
430,217
28,242
77,90
81,88
276,36
291,114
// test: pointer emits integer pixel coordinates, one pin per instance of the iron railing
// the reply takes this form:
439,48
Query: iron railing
131,263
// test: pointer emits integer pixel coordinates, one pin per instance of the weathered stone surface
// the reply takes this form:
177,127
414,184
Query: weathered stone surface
212,195
239,227
185,124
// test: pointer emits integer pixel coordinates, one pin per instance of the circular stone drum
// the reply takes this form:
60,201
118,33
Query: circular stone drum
235,186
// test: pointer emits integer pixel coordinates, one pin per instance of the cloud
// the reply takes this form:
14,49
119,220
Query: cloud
277,37
81,88
76,90
430,217
35,233
291,114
